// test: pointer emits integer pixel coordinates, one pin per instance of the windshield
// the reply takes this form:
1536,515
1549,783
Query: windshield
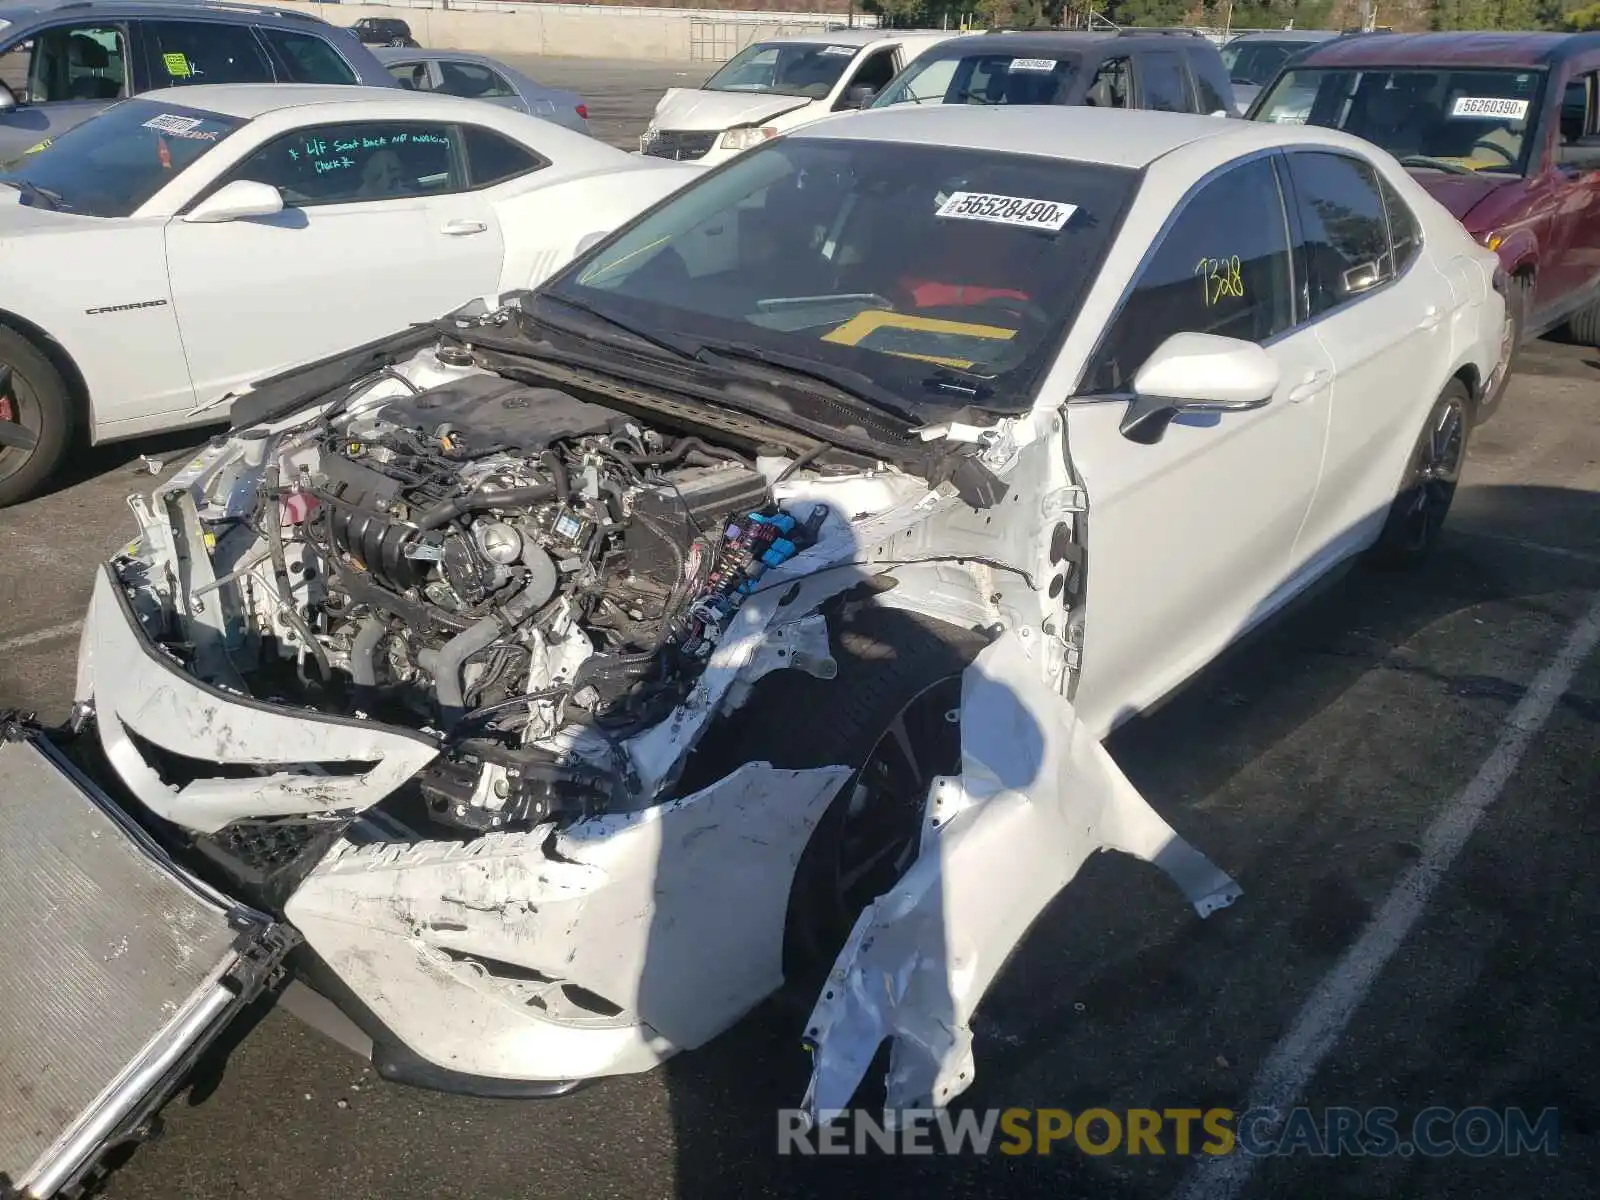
784,69
1257,62
114,162
1470,120
983,79
907,264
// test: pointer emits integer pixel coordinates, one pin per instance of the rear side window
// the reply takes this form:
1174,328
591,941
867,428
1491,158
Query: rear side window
472,81
185,52
306,58
1346,233
1163,85
492,158
1223,267
1405,234
1211,100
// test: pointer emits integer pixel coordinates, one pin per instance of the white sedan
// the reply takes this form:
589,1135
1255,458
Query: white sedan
752,600
189,241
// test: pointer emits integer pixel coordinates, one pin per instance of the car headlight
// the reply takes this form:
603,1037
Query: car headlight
746,136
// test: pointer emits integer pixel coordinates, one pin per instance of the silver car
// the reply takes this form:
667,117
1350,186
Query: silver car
479,77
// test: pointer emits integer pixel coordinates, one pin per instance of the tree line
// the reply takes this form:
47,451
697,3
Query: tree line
1275,14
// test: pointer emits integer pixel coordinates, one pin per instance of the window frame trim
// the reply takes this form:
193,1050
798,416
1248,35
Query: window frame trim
1290,228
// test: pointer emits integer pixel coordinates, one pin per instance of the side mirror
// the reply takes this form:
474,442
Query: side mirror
8,98
1197,372
858,96
240,199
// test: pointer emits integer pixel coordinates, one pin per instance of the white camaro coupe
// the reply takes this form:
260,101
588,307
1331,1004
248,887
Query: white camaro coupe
184,243
753,598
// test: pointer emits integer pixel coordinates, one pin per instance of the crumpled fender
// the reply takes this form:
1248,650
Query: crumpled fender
1037,795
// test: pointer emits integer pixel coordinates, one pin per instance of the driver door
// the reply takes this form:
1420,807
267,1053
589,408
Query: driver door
60,77
379,230
1191,537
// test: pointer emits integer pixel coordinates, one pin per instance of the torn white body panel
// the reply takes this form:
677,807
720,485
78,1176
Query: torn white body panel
668,921
1036,797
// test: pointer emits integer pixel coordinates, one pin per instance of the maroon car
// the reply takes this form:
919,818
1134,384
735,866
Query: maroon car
1500,127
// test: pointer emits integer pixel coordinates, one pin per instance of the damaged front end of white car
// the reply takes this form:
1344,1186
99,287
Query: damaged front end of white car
564,713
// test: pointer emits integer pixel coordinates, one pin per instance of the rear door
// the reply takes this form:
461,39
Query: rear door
1383,312
380,229
187,53
475,81
61,76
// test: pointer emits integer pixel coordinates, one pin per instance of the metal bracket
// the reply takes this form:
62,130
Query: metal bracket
1063,502
799,645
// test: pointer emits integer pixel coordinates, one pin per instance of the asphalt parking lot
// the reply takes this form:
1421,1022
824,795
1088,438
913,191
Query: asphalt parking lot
1324,764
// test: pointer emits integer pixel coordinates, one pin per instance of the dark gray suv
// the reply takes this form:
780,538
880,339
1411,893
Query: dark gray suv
61,65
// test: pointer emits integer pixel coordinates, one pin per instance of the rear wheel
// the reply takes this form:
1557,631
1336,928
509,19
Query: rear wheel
1429,486
1584,325
36,418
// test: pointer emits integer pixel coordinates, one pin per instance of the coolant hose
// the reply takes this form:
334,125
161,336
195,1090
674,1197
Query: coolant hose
453,655
443,514
363,651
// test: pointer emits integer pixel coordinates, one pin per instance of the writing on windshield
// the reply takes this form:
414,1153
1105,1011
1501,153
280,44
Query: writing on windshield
114,162
1472,120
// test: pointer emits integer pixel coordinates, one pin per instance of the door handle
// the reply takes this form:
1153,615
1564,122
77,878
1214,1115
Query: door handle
1431,317
1308,387
462,228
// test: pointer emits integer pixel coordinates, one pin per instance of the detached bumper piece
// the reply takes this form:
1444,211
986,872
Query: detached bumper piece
117,970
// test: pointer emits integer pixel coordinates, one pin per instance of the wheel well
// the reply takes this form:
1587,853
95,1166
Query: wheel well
1468,375
59,359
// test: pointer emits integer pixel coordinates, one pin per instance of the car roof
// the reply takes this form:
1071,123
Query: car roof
204,9
1451,49
390,54
1031,41
1288,35
247,101
1132,138
853,37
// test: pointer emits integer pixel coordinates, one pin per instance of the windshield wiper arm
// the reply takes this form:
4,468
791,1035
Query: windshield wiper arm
1438,164
673,347
34,192
729,356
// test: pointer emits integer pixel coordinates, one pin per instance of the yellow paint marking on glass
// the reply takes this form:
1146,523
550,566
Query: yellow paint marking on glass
38,146
863,325
177,65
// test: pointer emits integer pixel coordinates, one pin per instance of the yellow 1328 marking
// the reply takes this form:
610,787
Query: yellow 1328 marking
1219,278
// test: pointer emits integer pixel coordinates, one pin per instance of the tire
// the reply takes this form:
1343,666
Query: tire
892,666
1433,470
1584,325
1518,302
38,399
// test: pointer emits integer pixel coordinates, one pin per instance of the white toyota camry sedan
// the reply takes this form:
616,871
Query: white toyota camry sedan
188,241
752,599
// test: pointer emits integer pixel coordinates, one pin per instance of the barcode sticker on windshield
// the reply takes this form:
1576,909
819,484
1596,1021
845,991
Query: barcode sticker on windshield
1489,106
172,123
1006,210
846,50
1033,64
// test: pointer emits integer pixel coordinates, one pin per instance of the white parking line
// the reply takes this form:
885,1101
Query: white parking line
48,634
1294,1061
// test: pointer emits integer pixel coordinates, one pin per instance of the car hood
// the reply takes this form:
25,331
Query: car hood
692,108
1460,193
17,218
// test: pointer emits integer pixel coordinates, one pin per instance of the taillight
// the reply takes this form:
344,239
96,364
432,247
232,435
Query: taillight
583,111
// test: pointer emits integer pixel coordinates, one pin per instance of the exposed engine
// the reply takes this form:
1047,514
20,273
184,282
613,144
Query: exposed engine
499,563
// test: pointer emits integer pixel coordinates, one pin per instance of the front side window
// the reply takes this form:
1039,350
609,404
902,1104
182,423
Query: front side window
185,52
356,162
110,165
911,264
1346,233
1223,267
1211,100
1163,83
472,81
875,71
1437,119
784,69
306,58
986,79
68,62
